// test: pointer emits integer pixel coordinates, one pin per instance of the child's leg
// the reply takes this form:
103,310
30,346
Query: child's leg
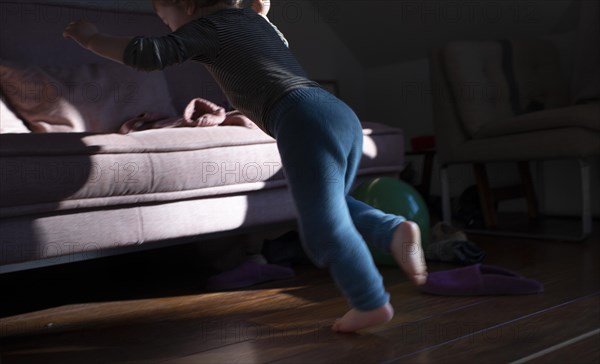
391,234
315,140
375,226
387,232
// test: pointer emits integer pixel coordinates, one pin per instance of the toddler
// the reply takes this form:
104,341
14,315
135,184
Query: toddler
262,7
319,138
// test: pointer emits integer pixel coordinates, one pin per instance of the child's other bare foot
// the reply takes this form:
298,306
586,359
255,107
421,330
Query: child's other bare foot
355,320
406,249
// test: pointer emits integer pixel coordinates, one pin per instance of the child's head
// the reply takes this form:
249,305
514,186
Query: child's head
199,3
175,13
260,6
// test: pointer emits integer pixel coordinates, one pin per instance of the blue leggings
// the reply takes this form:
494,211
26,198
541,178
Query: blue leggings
320,142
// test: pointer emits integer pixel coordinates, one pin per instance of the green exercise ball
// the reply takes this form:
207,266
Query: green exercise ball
396,197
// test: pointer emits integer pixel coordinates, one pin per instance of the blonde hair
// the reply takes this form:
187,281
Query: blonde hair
201,3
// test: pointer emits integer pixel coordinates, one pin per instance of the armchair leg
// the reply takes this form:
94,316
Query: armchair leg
446,208
489,197
486,196
540,186
586,199
528,191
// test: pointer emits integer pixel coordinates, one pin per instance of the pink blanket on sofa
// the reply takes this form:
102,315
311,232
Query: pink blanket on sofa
198,113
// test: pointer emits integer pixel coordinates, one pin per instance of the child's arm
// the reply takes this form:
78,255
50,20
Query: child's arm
147,53
87,35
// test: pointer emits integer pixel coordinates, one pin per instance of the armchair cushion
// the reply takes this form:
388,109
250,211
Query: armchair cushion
477,83
494,81
536,72
539,145
583,116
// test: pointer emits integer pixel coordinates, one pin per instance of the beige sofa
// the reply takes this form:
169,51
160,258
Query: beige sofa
78,195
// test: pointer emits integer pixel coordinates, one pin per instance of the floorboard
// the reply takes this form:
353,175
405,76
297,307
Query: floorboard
130,311
508,341
582,349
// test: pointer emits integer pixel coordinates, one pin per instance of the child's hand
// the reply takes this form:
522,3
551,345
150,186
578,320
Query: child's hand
81,31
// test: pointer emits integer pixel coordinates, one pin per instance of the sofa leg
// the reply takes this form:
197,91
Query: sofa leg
586,198
446,208
486,197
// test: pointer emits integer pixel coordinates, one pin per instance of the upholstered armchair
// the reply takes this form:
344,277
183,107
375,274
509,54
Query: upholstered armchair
507,101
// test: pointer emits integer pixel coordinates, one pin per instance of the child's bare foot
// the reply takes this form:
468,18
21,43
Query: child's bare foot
355,320
406,249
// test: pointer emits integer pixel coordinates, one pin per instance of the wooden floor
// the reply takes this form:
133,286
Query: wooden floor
150,308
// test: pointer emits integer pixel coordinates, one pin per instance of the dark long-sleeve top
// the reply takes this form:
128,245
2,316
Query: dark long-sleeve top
242,51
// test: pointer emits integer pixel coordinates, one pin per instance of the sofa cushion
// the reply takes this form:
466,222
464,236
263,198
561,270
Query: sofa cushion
89,97
583,116
9,122
71,171
107,95
38,99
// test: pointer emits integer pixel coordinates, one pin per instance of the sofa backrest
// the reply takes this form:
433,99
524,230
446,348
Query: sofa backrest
31,33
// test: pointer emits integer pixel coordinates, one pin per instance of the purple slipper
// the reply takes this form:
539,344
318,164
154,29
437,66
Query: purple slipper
480,279
247,274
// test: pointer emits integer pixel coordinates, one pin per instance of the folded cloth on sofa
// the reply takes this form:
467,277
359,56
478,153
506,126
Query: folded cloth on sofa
480,279
198,113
